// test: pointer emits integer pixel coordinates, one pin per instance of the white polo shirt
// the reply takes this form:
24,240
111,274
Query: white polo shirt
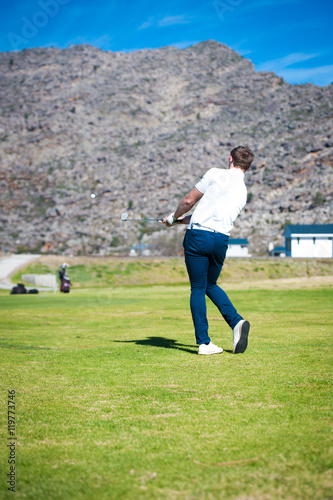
224,196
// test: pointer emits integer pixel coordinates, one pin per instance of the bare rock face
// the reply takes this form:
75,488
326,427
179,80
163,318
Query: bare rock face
138,130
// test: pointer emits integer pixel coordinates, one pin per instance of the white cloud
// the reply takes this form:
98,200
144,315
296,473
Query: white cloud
171,20
237,48
103,41
321,75
184,44
166,21
244,52
147,24
284,62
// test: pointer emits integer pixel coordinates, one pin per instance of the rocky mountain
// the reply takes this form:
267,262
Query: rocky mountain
138,130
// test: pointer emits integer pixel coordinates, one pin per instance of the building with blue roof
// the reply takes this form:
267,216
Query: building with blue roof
309,240
277,252
238,247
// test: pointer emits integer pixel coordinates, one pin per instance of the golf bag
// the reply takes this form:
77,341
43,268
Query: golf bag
65,285
18,289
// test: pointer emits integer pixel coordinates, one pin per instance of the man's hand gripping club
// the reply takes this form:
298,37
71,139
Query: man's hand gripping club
184,206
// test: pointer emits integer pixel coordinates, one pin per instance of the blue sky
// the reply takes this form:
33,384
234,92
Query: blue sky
291,37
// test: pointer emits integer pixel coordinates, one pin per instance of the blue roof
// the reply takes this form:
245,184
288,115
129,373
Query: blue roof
279,249
238,241
308,229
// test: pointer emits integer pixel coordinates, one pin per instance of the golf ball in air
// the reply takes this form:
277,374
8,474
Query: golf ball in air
92,195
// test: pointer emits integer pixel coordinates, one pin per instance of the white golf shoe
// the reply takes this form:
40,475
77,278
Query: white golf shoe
209,349
241,333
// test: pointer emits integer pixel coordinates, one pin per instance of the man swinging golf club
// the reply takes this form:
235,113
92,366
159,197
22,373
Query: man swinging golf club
222,194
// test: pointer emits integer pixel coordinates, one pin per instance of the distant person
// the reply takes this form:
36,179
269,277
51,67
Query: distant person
222,194
65,282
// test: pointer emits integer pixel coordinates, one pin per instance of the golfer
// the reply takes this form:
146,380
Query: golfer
222,194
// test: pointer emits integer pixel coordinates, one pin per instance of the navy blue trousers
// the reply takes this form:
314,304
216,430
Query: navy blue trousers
204,256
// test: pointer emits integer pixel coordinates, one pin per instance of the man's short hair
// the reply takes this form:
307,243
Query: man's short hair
242,157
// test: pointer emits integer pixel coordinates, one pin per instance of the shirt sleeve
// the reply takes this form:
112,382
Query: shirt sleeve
204,182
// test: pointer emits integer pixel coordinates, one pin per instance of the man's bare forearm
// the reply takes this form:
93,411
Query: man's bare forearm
187,202
183,207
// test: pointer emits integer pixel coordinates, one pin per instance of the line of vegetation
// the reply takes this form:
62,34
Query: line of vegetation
88,272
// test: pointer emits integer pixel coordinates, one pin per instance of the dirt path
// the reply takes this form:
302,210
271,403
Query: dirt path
10,264
283,283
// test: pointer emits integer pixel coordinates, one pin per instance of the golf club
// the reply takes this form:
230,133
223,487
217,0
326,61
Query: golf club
124,218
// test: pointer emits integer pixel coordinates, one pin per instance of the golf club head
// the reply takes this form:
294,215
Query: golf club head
124,216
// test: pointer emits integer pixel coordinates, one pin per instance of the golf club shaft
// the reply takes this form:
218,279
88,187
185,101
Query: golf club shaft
149,220
142,220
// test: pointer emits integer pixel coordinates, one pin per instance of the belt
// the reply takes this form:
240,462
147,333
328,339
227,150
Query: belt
203,228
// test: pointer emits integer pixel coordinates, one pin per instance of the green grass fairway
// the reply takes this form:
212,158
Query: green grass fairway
113,402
